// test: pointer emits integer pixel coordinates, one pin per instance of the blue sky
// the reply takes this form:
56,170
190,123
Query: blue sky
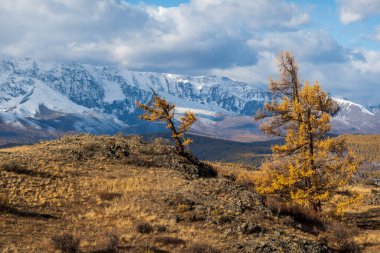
336,42
325,15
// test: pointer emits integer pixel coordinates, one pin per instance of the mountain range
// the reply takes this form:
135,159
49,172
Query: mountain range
41,99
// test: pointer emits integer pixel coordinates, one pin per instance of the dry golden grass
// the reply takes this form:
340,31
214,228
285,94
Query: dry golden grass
365,146
364,217
75,186
52,190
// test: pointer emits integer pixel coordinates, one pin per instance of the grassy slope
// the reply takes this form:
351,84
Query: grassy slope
77,185
366,146
68,185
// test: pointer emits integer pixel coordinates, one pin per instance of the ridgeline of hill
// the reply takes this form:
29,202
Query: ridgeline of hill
211,149
251,153
365,146
123,194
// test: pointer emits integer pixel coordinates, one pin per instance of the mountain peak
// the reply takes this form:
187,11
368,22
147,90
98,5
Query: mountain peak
74,94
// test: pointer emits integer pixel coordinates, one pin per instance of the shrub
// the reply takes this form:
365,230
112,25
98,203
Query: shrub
161,228
117,150
109,196
206,171
89,149
340,238
111,243
12,166
299,213
4,200
66,243
144,228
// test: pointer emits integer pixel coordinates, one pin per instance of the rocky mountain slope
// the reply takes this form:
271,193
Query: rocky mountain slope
46,98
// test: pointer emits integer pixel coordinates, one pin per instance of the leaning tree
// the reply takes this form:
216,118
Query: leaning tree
159,109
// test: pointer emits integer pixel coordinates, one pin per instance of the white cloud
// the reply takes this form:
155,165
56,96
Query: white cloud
257,74
61,30
368,65
233,38
202,34
351,73
356,10
314,45
260,13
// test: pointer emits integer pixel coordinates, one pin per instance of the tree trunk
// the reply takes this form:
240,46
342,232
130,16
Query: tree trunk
177,141
317,207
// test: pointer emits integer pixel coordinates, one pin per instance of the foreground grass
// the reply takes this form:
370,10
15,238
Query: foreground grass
115,194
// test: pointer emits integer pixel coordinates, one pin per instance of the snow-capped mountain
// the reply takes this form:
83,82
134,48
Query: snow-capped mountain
355,118
51,97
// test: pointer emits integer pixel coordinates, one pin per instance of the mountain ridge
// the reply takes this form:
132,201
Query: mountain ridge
64,97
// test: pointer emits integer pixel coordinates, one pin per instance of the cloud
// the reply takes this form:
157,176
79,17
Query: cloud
369,64
65,30
239,39
309,45
356,79
257,74
356,10
203,34
199,35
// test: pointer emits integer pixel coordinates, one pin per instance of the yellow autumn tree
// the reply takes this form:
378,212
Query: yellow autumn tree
161,110
310,166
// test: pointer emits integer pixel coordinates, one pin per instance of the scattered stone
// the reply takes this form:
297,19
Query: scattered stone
247,229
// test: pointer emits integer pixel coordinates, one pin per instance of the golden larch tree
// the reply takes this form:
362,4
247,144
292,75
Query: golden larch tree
310,166
161,110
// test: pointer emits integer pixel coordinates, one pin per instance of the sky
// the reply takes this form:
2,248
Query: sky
336,42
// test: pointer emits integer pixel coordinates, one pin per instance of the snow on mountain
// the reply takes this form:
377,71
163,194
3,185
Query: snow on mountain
100,99
352,108
355,118
40,95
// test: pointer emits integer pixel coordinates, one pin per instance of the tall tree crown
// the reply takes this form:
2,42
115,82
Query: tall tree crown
310,166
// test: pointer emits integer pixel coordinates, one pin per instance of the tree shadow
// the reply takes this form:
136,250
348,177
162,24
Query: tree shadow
369,220
131,249
370,244
26,172
5,209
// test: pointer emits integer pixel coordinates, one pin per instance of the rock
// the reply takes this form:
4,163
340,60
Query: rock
246,229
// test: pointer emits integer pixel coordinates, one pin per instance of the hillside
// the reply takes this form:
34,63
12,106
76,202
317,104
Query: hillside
252,153
117,194
218,150
367,146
